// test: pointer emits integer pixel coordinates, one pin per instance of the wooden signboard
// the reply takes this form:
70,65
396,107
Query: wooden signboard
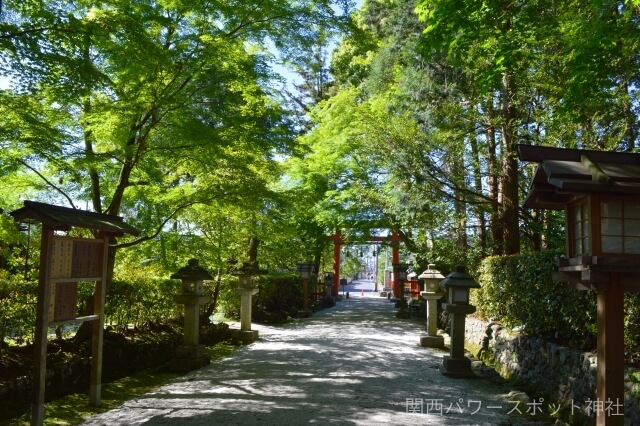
75,258
86,259
65,261
61,256
71,260
64,301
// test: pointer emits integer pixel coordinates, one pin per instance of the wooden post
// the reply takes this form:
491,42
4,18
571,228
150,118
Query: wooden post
95,387
42,327
610,394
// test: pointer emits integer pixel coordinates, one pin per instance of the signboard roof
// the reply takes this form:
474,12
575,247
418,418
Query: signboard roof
65,218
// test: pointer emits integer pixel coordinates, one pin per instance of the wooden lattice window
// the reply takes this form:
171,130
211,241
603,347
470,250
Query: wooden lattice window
620,227
581,229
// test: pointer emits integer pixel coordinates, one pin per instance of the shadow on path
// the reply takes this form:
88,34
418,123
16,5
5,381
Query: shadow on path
354,364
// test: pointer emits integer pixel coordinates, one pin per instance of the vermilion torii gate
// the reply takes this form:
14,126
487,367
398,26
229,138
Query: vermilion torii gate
339,239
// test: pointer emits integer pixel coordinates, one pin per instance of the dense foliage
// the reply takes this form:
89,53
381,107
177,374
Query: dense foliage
279,296
133,303
518,291
199,145
171,115
17,310
167,113
136,301
420,133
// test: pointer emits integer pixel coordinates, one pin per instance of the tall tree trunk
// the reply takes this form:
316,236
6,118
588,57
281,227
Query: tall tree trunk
510,167
536,229
89,139
319,249
211,307
546,227
460,205
631,117
252,252
477,176
495,218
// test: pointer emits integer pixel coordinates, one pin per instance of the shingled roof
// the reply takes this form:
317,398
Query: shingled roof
64,218
564,173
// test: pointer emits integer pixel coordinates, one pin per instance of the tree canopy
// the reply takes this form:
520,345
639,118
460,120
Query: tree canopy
171,114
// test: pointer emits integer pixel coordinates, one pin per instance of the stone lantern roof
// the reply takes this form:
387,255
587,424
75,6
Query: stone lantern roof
459,278
430,274
193,271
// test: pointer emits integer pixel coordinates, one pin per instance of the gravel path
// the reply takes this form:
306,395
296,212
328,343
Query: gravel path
354,364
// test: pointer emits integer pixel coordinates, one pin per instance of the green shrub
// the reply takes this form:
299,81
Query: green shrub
632,324
136,300
17,309
280,292
519,291
141,300
228,299
277,293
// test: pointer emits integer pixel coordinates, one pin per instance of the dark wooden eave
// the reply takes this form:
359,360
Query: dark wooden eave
64,218
594,272
565,173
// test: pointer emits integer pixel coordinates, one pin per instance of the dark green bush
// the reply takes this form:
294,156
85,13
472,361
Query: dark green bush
519,291
127,302
632,325
279,294
228,299
17,309
137,301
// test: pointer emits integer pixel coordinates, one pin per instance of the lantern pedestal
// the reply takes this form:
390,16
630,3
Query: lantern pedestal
431,339
457,365
188,358
459,368
245,334
190,355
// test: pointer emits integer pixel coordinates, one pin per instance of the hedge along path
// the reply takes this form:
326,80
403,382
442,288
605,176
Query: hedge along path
352,364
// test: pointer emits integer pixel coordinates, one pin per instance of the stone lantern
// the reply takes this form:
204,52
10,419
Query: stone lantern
305,270
400,276
400,273
328,283
457,286
246,289
191,355
430,280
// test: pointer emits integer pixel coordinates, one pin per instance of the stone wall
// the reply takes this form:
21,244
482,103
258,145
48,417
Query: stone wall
556,373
